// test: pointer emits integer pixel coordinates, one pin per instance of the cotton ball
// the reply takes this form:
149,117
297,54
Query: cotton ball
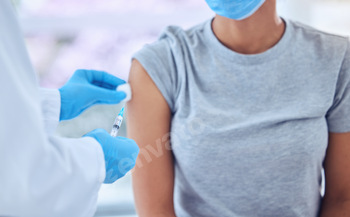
127,90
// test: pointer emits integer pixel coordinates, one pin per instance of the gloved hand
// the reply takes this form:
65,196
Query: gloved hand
120,154
86,88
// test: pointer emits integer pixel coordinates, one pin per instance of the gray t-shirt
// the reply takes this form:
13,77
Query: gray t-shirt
249,132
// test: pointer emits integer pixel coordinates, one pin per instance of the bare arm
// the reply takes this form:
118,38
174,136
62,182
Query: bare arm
337,169
149,124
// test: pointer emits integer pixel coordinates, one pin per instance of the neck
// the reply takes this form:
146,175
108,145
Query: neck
253,35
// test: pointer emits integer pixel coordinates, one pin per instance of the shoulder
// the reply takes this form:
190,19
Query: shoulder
173,45
311,31
176,32
176,38
327,43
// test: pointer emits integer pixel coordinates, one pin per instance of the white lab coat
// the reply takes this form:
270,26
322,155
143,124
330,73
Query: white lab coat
41,175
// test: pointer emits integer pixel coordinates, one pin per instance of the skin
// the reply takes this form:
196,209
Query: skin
149,119
336,201
253,35
148,122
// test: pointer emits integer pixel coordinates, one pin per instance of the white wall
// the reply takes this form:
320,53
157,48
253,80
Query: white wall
328,15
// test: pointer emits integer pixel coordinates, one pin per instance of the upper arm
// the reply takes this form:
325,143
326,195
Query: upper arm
148,120
337,168
337,161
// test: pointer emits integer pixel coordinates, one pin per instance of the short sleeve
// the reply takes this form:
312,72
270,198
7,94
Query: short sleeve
338,116
158,60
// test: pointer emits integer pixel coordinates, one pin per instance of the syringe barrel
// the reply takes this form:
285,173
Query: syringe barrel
117,123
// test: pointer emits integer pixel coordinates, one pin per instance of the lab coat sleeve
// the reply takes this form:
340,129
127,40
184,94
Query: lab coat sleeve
41,175
50,105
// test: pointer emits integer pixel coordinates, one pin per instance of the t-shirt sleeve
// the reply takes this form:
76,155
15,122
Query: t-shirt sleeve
158,60
338,116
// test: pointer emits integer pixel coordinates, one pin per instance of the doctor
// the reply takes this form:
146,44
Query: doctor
42,174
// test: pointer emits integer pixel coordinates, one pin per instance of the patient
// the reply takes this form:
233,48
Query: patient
238,116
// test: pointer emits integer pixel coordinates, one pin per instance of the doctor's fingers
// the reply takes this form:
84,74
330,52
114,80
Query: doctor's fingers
100,78
106,96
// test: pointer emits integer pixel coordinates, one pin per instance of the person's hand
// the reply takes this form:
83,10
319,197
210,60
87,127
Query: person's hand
120,154
86,88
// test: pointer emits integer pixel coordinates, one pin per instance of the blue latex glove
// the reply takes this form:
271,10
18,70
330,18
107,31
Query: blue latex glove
86,88
120,154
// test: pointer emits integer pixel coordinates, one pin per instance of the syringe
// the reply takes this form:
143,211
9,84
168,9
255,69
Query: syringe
117,123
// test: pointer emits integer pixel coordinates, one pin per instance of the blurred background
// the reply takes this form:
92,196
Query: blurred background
64,35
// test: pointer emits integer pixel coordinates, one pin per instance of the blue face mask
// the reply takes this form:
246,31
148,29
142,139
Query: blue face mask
235,9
